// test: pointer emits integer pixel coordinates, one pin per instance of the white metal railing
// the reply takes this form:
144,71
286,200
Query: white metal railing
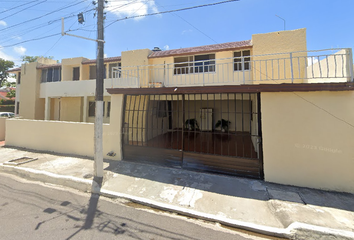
329,65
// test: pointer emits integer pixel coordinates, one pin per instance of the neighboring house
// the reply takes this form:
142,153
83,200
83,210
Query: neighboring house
6,104
283,117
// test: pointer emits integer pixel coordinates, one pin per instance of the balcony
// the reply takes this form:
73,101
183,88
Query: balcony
333,65
322,66
73,88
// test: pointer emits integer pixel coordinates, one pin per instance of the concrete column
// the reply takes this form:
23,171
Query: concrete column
47,109
84,112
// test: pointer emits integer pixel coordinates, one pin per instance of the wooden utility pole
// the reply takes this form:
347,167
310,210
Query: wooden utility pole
98,166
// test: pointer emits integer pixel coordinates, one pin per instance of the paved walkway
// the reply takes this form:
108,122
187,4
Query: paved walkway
273,209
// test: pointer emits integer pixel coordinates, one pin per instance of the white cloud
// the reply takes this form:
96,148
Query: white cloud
166,47
16,37
127,8
105,55
20,50
5,56
311,60
186,31
3,23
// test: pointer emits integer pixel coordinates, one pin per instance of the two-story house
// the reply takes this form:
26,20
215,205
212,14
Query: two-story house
260,108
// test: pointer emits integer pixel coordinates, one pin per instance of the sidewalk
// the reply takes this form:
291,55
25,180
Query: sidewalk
272,209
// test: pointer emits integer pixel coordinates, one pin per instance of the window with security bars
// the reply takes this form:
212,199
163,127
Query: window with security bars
238,56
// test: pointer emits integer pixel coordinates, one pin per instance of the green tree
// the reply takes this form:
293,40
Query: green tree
29,59
5,65
12,92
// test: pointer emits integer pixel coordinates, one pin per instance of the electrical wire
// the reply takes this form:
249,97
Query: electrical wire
170,11
36,18
30,40
18,6
175,14
23,10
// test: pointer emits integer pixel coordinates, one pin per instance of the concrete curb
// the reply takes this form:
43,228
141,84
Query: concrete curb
296,230
84,185
272,231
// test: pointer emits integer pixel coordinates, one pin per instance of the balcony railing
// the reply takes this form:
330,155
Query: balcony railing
330,65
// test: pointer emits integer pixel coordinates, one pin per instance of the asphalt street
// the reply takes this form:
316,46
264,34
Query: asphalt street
31,210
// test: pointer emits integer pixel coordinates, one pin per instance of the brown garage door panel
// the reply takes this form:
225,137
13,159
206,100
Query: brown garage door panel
167,157
221,164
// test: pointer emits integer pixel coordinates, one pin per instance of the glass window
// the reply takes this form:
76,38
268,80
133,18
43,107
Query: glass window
109,109
56,75
44,75
50,75
238,60
183,65
111,70
19,78
76,73
93,72
92,106
202,64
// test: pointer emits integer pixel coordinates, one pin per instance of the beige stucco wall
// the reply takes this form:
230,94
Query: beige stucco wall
67,137
29,98
308,139
71,109
333,68
67,67
133,58
2,128
268,72
163,72
55,109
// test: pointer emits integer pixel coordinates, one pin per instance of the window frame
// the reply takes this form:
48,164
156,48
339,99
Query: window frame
17,108
78,73
246,60
189,64
110,69
19,78
108,109
52,71
95,67
92,111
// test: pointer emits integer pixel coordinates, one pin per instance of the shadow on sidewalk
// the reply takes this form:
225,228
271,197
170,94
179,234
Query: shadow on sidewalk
230,185
92,206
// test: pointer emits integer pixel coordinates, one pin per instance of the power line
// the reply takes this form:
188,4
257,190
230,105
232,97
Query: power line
170,11
53,45
30,20
33,28
192,26
23,10
18,6
30,40
57,41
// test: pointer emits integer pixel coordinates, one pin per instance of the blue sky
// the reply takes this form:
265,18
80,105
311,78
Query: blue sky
328,25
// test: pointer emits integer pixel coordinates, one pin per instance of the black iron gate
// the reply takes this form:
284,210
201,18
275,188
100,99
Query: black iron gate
208,132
